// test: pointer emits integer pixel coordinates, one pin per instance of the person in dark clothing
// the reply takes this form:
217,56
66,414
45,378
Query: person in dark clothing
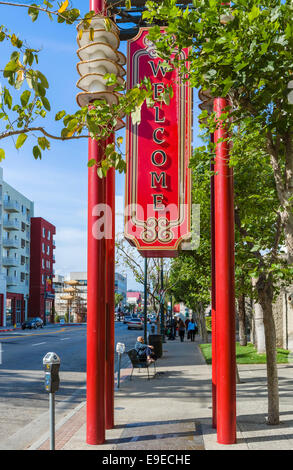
173,325
144,351
181,328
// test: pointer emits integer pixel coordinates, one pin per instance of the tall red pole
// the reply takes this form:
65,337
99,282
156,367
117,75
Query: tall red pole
96,302
96,305
213,303
110,293
225,297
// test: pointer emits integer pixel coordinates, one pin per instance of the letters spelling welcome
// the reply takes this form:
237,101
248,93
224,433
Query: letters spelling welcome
159,156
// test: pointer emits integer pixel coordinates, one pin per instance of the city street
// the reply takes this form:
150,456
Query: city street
23,397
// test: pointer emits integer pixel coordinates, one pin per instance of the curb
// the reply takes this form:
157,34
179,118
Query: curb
10,329
61,423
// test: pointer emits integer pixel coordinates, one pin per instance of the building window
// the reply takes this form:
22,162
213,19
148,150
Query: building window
43,279
43,263
48,250
44,232
43,247
49,235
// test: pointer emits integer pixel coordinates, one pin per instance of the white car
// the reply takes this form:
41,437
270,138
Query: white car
135,324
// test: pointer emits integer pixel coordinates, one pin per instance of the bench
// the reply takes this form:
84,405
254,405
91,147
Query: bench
138,363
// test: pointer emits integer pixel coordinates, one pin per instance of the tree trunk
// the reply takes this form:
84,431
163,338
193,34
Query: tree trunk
242,320
288,232
238,381
259,328
203,328
265,293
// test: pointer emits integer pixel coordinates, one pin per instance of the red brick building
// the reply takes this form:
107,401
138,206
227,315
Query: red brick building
42,259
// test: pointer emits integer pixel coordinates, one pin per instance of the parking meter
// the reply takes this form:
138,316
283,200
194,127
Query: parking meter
51,365
120,349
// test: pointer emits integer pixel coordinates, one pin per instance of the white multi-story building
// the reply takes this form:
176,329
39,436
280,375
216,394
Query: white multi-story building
15,214
58,286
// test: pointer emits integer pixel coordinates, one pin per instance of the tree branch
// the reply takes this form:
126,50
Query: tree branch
276,167
23,5
43,131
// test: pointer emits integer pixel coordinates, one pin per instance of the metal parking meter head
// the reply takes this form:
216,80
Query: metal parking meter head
120,348
51,365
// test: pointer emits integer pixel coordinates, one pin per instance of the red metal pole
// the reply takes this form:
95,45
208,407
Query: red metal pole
225,297
214,351
96,303
96,306
110,287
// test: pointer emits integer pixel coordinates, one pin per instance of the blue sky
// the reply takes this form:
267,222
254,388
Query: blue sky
58,183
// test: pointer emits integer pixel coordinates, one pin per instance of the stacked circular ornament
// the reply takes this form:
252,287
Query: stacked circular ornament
207,102
99,55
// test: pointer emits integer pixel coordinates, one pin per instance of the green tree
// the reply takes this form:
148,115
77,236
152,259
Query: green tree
243,53
258,247
25,107
130,261
118,298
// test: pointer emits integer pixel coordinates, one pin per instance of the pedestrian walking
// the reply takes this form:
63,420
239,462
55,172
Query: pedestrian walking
191,329
181,329
173,326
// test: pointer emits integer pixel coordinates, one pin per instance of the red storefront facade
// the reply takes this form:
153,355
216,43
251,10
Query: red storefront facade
42,259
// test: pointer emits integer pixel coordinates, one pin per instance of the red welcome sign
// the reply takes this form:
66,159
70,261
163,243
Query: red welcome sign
158,191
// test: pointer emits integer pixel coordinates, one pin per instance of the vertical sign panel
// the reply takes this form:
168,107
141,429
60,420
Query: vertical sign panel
158,192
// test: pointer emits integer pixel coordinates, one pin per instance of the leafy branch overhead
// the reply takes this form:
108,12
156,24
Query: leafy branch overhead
24,102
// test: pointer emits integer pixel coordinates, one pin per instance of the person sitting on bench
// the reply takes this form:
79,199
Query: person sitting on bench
144,351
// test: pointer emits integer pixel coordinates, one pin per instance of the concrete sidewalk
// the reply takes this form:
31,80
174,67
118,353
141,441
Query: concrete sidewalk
172,411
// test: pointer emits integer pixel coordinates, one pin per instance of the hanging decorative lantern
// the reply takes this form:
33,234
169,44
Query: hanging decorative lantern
99,55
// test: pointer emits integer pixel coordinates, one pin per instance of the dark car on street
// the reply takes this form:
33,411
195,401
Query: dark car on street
30,323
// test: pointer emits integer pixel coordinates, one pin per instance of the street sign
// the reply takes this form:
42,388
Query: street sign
158,189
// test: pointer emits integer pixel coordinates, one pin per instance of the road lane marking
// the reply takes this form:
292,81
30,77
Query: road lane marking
32,334
37,344
64,339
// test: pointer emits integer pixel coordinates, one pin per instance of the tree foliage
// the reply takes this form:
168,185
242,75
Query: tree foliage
25,107
244,53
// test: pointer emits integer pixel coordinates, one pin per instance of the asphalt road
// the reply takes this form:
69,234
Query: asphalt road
23,399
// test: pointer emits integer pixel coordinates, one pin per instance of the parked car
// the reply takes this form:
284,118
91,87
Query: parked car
30,323
127,318
135,324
